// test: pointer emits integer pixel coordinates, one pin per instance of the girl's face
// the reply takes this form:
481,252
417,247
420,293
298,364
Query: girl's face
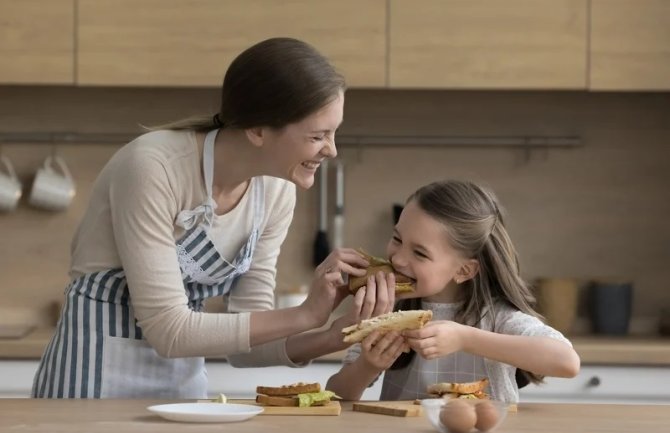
297,150
420,249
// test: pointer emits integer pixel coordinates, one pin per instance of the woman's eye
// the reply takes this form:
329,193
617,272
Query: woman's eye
396,239
317,138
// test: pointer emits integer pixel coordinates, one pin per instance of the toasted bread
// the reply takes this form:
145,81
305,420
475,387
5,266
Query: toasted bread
396,321
403,283
288,401
289,390
445,388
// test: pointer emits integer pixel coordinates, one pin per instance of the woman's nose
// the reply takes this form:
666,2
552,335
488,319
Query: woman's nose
329,150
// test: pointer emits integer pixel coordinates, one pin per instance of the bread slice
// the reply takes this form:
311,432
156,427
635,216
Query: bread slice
274,400
403,283
289,390
300,400
443,388
396,321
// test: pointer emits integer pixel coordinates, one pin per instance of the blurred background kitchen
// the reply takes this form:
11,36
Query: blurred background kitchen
561,106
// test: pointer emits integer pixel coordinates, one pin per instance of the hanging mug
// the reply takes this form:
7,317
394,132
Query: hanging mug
52,190
10,186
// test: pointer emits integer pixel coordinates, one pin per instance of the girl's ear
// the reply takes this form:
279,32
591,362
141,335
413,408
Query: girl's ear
467,271
255,136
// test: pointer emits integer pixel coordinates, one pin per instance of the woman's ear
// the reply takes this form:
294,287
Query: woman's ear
467,271
255,136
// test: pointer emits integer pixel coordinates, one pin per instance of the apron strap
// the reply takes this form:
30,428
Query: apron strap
188,219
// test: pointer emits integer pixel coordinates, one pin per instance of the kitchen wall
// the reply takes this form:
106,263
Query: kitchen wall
600,210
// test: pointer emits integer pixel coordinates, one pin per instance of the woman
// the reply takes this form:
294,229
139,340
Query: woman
199,209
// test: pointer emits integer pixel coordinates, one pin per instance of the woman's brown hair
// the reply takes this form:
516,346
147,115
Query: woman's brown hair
274,83
476,229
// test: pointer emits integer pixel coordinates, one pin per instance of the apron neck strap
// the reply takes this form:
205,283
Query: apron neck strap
208,161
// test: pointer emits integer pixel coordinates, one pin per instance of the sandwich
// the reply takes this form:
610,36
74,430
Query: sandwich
294,395
467,390
403,283
396,321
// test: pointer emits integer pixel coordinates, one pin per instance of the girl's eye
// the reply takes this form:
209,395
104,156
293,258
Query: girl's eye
420,254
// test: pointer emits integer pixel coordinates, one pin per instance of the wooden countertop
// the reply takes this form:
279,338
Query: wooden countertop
591,349
128,416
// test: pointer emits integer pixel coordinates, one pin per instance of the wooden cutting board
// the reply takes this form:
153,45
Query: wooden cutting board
393,408
332,408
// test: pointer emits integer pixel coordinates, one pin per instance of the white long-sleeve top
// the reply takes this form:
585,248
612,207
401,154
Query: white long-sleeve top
412,381
130,224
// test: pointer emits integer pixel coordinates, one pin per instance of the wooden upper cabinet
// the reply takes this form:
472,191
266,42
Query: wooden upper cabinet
36,41
630,45
488,44
191,43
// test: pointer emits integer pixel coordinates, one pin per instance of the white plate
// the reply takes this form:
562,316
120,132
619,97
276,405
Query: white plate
205,412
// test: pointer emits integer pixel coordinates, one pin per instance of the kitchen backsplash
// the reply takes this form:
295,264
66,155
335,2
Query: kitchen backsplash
596,211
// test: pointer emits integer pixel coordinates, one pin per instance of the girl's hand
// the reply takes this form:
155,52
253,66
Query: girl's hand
328,289
379,351
436,339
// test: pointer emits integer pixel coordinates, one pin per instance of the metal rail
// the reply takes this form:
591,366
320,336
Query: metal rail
519,141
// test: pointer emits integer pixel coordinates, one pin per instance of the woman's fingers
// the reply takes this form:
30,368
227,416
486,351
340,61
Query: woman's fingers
385,293
344,260
370,298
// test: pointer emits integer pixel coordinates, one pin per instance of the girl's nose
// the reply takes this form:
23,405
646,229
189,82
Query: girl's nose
398,260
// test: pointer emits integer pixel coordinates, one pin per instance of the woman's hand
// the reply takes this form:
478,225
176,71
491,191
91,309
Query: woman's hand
436,339
380,351
328,289
375,298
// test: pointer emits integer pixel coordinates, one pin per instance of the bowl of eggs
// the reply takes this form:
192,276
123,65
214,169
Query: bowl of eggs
463,415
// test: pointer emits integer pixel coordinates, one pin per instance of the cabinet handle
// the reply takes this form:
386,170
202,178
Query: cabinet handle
593,382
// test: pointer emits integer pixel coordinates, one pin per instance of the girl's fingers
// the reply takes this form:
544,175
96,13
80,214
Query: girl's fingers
422,343
371,340
397,344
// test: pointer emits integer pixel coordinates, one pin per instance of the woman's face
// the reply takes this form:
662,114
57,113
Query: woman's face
419,248
297,150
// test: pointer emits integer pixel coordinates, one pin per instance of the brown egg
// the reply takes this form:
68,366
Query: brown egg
458,416
487,416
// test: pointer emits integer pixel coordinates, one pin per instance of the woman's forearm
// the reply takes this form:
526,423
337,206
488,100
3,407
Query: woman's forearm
540,355
266,326
310,345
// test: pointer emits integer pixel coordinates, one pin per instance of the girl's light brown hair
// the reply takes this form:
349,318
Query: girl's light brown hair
476,229
274,83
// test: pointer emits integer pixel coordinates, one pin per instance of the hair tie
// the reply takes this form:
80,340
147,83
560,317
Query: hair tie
217,122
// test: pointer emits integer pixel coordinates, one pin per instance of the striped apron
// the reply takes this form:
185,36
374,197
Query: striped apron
98,351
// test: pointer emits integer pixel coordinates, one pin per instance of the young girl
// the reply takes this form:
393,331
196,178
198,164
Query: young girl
451,238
